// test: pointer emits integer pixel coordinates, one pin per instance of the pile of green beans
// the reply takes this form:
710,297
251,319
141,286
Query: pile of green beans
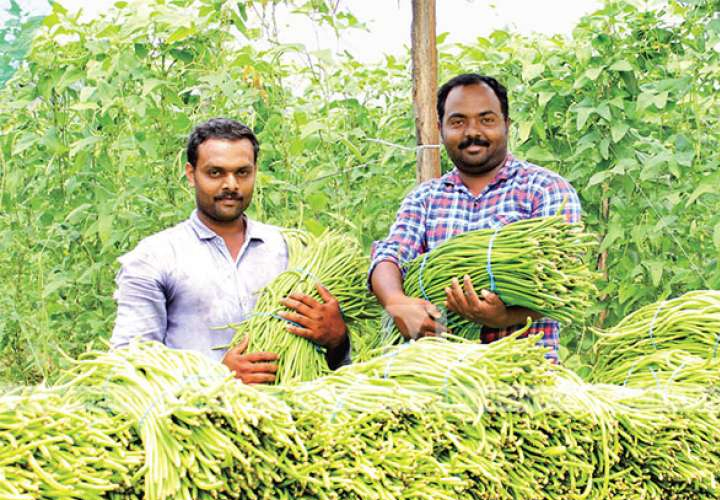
489,398
334,260
52,445
652,343
438,418
204,435
540,264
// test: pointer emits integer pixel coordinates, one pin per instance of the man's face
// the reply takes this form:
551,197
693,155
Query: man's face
223,178
474,129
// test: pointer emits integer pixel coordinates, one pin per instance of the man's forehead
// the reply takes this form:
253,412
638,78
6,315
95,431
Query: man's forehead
222,144
219,147
476,94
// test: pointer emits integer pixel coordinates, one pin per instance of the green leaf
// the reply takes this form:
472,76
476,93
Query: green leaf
707,186
318,201
615,232
55,285
594,73
104,227
314,226
582,117
655,269
661,100
312,128
544,97
621,65
524,131
716,236
150,84
599,177
604,111
604,148
532,71
645,99
618,131
26,140
180,34
78,213
80,145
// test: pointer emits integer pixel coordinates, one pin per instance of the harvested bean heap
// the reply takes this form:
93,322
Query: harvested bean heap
334,260
433,419
537,263
52,445
202,434
669,342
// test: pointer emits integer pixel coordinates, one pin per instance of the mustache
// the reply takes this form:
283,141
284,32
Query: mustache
473,141
229,196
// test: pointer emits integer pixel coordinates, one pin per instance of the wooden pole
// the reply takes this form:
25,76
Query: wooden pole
424,68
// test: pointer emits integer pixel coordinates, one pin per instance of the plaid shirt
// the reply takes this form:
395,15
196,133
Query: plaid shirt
441,208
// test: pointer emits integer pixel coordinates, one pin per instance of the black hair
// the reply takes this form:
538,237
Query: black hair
472,79
219,128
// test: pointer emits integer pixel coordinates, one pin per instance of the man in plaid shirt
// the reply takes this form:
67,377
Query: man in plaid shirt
487,188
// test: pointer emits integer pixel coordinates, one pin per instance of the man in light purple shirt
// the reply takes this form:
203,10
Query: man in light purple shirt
183,285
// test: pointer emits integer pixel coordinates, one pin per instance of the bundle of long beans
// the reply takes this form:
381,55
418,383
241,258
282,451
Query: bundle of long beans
204,435
667,442
537,263
633,349
371,439
52,445
513,438
334,260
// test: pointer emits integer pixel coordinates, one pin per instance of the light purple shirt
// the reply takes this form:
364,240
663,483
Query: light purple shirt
181,286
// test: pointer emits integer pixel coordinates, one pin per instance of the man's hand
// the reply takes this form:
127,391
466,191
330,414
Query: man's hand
487,309
415,317
320,322
253,368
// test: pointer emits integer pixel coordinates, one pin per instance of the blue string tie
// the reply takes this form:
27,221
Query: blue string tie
493,288
304,273
420,276
391,358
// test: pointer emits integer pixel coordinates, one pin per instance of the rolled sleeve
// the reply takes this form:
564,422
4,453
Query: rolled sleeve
141,301
406,239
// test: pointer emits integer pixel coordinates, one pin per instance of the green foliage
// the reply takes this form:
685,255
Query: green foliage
16,33
93,125
627,110
93,132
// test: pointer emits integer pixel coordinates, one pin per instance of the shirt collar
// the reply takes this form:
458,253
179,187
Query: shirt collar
508,168
253,229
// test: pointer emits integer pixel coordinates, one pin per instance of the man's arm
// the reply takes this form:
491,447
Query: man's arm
141,296
414,317
141,301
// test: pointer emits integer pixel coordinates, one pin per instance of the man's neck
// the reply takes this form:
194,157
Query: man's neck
226,230
477,183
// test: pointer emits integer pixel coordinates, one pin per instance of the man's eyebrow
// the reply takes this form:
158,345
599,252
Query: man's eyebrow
482,113
219,167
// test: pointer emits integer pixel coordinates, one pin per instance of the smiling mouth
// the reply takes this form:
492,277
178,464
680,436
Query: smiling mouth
474,148
229,200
